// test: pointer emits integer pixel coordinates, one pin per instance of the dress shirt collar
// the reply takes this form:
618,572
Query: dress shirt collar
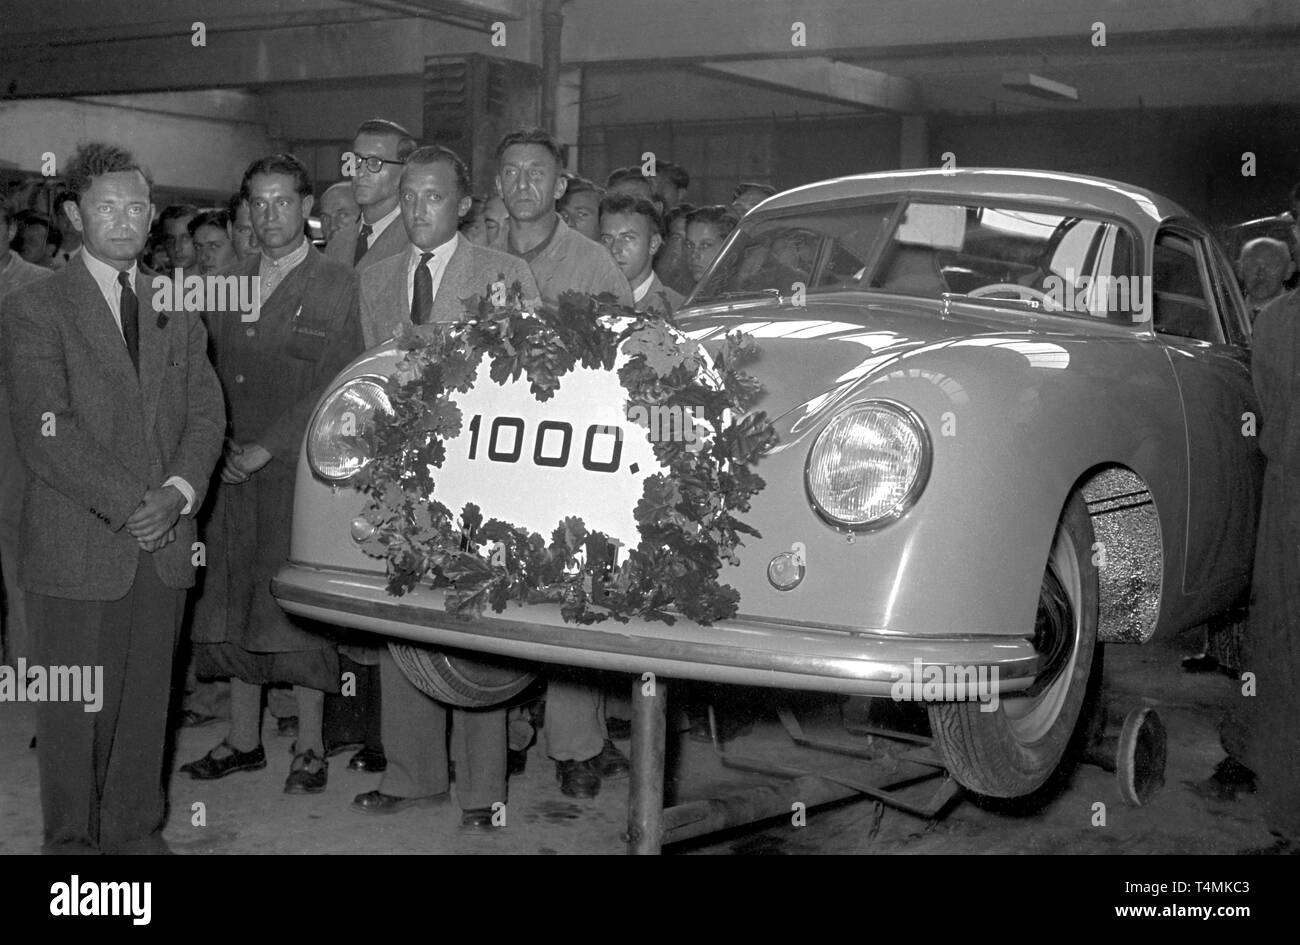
106,276
379,225
440,252
641,291
285,264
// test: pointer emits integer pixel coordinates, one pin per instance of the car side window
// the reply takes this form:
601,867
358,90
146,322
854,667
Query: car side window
1182,303
1232,306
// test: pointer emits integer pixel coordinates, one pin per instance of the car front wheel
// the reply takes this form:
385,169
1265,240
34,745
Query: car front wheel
1013,751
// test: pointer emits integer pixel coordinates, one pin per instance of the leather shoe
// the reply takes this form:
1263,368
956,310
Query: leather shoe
303,780
210,767
368,759
377,802
1200,663
516,762
610,763
1230,780
192,719
338,748
477,818
577,779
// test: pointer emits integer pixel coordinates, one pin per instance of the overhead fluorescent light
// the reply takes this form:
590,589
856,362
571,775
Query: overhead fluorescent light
1032,84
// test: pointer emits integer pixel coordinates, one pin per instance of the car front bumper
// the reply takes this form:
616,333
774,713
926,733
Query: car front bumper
745,651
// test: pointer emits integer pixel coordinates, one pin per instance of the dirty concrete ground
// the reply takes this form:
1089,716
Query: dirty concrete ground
249,813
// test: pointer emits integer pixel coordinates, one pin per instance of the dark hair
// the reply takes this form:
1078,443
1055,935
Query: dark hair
178,211
578,185
533,136
232,205
280,163
675,173
766,190
6,215
97,159
681,210
621,174
435,154
214,217
720,216
406,142
626,203
54,237
65,196
24,219
475,211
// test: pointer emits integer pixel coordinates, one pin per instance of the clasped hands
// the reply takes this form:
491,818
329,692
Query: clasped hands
152,524
238,463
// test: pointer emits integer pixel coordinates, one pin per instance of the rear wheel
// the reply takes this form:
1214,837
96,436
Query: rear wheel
1013,751
469,681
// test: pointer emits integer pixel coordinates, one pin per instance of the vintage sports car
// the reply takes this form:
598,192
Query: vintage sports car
1015,422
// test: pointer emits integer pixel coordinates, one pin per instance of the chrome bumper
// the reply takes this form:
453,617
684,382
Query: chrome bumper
745,651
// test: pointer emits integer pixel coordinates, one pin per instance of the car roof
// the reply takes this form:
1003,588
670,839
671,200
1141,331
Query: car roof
1049,188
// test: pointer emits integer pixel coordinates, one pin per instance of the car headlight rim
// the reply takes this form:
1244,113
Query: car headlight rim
326,464
920,473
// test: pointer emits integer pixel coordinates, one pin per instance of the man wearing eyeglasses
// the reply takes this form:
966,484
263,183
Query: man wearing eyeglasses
379,151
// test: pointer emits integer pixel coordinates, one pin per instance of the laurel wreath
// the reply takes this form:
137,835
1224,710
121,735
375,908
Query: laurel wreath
686,518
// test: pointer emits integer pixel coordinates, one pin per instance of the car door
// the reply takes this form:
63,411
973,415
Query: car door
1197,314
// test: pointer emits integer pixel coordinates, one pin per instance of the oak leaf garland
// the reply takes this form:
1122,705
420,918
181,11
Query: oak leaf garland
686,518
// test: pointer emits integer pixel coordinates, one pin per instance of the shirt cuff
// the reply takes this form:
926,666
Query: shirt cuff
185,489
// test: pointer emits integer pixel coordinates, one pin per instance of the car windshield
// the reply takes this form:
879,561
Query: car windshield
1006,256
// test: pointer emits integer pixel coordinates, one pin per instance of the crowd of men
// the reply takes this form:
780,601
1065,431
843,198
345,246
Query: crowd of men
164,430
141,432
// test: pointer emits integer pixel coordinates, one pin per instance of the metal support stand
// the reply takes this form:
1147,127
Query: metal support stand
645,799
891,762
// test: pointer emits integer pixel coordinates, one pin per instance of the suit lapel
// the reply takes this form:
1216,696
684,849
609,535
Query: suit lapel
447,305
153,346
95,319
388,244
394,307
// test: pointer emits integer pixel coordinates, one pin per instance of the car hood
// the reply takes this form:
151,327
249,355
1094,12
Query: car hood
811,358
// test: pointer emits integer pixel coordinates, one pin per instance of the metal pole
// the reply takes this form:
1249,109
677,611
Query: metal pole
552,31
645,797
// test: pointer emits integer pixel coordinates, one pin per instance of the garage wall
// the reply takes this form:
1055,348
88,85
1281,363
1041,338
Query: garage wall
782,152
1193,156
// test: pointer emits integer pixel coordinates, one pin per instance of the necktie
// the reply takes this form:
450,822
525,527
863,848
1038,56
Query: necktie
363,243
130,309
422,297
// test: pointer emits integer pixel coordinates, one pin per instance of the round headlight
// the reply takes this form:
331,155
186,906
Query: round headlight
335,450
869,465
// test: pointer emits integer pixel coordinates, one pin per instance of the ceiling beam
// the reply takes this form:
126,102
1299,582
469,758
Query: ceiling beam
251,58
828,81
632,32
472,12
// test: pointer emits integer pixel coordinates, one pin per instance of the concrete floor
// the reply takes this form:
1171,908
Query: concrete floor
249,813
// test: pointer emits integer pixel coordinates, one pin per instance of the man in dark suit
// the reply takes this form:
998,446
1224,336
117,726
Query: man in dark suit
15,272
118,417
273,371
428,284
